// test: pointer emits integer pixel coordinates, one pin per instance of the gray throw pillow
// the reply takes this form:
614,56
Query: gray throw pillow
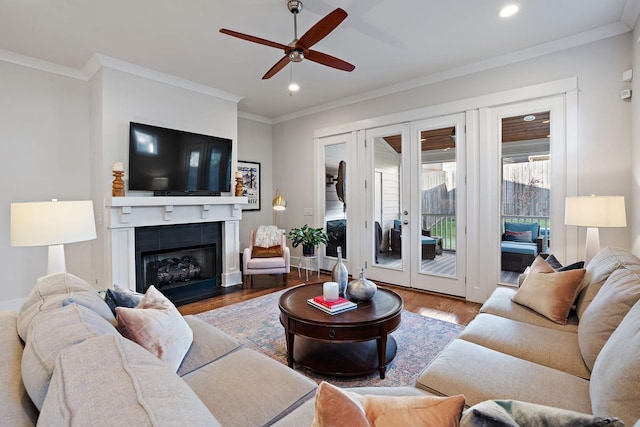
120,297
513,413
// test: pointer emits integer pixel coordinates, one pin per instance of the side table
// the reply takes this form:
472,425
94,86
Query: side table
307,260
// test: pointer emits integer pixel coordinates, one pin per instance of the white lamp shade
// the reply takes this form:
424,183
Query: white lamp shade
595,211
51,223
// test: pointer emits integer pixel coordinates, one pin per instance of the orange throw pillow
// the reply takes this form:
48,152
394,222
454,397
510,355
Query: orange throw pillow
270,252
337,408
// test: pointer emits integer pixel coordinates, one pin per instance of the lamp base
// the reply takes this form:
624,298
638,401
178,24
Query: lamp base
592,245
56,263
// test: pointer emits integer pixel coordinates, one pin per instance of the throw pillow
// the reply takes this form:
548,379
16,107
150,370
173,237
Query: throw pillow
121,297
336,407
156,325
270,252
512,413
550,294
540,265
557,265
518,236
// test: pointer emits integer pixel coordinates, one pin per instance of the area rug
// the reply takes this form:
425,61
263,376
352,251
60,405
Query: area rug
256,324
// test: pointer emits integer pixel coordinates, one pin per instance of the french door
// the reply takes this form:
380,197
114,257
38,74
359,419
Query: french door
415,204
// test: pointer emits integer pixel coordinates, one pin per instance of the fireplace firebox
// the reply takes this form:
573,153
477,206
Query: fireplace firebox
182,261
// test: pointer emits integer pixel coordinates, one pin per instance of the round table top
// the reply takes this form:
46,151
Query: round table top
385,305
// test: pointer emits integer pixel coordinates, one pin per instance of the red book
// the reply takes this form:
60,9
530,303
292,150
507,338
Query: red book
331,304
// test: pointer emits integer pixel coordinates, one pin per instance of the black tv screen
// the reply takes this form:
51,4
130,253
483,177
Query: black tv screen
173,162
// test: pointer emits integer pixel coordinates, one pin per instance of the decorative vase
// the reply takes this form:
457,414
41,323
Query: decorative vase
308,249
361,289
339,274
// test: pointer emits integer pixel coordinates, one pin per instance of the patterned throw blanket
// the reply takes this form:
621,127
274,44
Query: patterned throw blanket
266,236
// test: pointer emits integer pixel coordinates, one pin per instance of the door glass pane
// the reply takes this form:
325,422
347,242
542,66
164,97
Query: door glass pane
388,216
526,190
336,198
437,182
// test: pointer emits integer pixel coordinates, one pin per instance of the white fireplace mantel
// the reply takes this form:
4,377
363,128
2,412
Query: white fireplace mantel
124,214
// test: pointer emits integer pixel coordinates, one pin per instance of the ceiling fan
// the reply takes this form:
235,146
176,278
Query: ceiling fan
300,49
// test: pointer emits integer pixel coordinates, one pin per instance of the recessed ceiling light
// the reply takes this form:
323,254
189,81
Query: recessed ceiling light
509,10
529,118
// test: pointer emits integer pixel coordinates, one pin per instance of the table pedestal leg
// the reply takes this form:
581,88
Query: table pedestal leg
382,356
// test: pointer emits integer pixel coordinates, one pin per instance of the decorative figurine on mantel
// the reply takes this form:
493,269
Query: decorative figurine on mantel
238,183
117,189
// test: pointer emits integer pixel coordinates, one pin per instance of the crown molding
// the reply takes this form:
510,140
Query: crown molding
41,65
254,117
98,61
576,40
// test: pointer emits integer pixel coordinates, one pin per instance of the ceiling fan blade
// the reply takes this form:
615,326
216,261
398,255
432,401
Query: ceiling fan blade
279,66
321,29
328,60
253,39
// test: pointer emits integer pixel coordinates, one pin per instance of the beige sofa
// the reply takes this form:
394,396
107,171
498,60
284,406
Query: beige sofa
65,363
72,367
590,365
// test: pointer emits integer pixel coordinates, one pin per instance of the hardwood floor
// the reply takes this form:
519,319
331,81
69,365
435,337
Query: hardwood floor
450,309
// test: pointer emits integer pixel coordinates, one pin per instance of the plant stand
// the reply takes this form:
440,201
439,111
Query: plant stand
307,260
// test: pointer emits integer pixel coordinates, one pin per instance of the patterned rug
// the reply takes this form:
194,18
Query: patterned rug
256,324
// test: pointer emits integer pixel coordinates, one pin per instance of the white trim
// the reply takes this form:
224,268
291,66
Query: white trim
98,60
41,65
498,98
254,117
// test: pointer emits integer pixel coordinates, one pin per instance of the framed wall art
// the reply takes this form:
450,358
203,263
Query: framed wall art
250,184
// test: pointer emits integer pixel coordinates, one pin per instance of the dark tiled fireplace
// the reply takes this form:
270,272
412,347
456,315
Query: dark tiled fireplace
183,261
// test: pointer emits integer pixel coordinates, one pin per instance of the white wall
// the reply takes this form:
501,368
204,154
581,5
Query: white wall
604,121
254,145
635,146
44,144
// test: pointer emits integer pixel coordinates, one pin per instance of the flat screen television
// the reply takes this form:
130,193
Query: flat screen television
172,162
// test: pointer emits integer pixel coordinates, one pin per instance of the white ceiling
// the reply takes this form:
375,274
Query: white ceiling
393,43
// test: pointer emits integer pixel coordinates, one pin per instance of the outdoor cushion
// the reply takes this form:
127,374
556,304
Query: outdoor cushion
515,226
428,240
519,248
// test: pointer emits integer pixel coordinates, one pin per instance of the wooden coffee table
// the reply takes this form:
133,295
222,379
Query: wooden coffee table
351,343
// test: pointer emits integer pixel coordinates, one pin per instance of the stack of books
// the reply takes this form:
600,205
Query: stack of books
331,307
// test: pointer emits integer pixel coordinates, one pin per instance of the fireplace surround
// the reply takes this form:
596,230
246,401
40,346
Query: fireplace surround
125,216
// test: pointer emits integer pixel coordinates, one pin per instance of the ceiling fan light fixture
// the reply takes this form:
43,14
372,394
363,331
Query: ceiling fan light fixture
509,10
294,87
296,55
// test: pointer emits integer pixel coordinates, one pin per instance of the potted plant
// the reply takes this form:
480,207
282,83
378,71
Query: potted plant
308,237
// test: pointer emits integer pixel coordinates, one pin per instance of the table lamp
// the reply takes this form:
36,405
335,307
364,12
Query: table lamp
593,212
52,224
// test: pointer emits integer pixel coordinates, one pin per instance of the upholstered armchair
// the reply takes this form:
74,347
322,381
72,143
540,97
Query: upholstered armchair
275,259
